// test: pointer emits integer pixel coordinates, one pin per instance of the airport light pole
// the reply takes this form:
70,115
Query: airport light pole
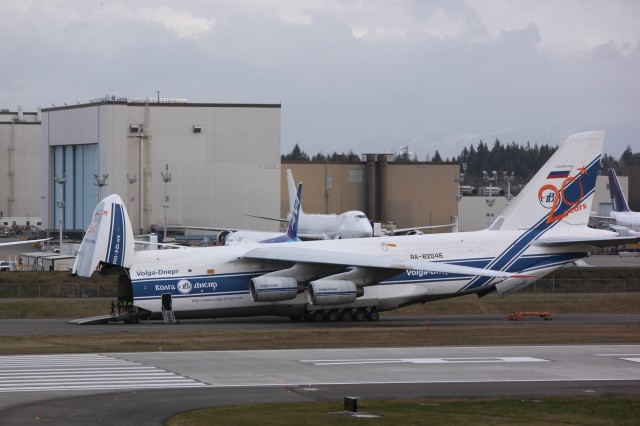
166,178
508,178
459,178
61,180
490,202
100,183
490,179
131,181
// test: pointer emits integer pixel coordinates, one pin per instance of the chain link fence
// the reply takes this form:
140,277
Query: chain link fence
25,290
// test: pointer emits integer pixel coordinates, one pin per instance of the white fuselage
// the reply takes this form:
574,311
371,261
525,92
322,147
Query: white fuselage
352,224
214,282
630,220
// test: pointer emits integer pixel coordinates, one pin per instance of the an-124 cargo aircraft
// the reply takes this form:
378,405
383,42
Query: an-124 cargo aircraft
544,228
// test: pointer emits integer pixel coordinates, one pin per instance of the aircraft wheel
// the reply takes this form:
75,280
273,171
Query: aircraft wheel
318,316
361,315
346,316
293,318
373,316
332,315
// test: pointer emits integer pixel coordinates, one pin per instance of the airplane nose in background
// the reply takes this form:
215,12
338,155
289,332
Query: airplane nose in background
366,229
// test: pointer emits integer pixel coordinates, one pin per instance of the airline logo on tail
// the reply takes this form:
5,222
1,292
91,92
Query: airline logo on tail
565,200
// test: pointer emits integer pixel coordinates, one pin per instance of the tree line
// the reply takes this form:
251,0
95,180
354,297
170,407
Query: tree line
523,160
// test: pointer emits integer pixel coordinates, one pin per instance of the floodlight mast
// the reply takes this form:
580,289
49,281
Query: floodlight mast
166,178
459,179
61,180
100,183
131,181
508,178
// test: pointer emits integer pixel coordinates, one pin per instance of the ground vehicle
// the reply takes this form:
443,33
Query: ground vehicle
4,266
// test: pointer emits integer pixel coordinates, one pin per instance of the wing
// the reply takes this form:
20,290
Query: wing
197,228
417,228
24,242
275,219
322,257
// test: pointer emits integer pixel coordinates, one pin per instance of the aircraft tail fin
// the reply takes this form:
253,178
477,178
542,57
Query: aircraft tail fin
561,193
291,187
109,238
292,229
617,196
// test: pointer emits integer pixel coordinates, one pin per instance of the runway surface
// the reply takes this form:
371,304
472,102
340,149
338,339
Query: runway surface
47,326
115,388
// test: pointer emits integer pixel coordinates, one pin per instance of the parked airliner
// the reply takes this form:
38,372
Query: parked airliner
545,227
316,226
245,236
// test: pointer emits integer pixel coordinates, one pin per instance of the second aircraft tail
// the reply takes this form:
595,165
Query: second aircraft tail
617,196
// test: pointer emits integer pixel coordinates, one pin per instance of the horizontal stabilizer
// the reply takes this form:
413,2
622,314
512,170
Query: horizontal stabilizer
590,241
275,219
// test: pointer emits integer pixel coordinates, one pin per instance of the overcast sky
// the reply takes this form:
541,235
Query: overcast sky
365,76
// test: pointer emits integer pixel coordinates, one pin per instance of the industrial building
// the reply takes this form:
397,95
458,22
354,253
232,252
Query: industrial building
171,161
406,194
20,162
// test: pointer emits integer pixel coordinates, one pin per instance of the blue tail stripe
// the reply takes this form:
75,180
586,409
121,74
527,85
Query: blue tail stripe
573,191
117,236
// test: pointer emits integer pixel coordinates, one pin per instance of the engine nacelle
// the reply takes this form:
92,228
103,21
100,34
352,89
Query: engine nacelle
333,292
273,289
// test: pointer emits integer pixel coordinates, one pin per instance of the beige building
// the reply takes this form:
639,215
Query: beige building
407,194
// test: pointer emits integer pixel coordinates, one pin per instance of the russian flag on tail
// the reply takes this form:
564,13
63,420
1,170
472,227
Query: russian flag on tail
561,172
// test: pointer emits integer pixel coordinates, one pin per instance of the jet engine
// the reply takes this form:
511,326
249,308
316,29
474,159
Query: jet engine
333,292
273,289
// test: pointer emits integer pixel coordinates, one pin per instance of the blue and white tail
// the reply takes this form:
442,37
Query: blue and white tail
617,196
292,229
561,193
291,189
108,240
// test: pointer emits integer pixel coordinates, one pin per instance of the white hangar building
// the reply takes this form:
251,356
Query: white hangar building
20,194
223,160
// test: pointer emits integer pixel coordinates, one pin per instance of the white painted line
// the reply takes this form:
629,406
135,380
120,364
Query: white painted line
426,361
